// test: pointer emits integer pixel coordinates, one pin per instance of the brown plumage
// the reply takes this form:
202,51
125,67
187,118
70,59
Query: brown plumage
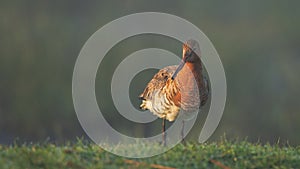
179,87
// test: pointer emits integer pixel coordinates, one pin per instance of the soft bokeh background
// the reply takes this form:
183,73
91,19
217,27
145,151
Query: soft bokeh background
258,42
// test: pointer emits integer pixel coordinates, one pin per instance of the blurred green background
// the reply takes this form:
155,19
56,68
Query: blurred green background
258,42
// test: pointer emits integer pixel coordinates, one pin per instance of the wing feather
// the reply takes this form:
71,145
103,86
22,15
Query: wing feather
161,94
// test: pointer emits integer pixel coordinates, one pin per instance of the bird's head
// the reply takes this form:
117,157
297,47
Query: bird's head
190,53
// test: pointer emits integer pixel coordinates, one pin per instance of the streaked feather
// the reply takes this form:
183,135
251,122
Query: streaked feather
189,90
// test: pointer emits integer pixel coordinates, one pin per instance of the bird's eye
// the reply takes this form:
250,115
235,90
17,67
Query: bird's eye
164,75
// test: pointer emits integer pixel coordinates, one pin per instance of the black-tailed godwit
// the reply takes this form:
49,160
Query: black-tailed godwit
179,87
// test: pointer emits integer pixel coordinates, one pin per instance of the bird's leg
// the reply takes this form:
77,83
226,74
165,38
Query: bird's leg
164,132
182,132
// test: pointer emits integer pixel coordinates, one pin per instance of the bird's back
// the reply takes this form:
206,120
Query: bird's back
161,96
164,96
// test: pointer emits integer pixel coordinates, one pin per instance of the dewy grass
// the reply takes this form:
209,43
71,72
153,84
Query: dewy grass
85,155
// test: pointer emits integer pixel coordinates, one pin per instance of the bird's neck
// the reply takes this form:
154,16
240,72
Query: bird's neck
190,72
190,80
195,67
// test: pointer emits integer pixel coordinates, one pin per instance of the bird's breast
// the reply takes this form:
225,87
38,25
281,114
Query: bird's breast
188,82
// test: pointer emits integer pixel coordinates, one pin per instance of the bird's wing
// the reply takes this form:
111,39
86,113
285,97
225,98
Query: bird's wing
205,91
162,96
158,82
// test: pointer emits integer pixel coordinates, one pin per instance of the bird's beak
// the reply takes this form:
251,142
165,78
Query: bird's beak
182,62
180,66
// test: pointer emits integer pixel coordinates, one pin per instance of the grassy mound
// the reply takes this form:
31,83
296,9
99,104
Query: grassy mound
83,155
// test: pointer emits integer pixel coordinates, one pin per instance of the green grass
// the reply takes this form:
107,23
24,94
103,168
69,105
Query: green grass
222,154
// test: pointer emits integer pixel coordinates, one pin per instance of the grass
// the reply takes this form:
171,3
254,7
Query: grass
83,155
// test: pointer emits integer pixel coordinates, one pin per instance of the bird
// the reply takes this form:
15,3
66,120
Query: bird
177,88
